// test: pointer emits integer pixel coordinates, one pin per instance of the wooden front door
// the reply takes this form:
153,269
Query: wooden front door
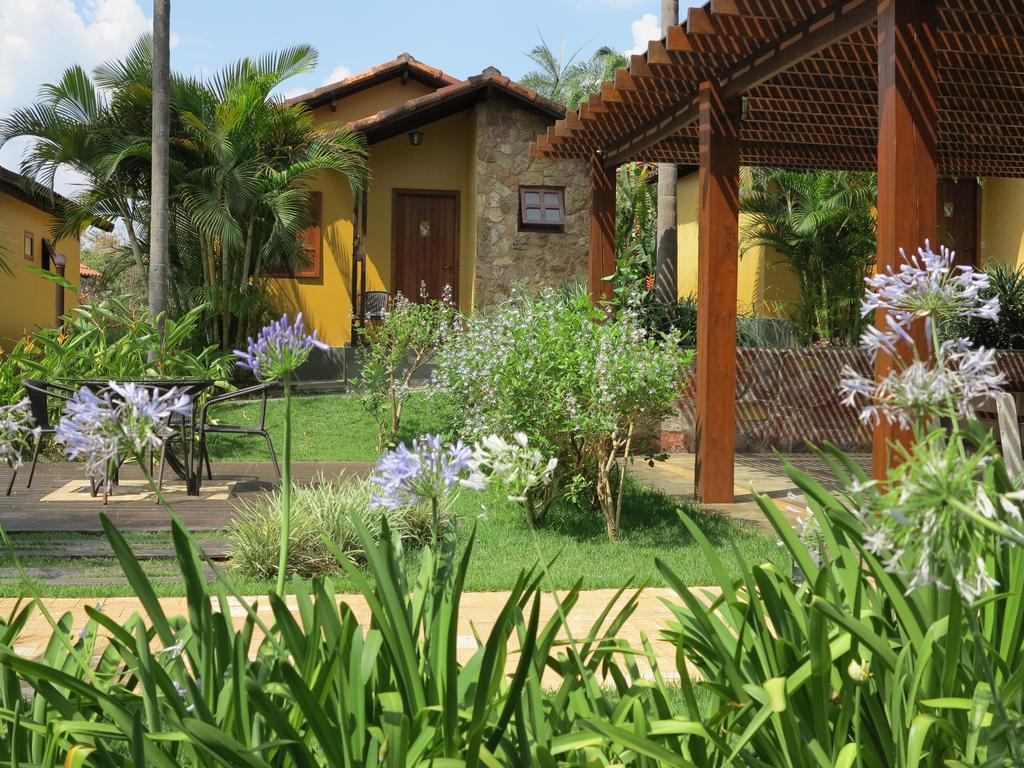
959,209
426,242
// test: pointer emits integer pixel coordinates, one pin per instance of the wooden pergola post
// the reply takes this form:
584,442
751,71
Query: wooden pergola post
717,271
602,229
908,123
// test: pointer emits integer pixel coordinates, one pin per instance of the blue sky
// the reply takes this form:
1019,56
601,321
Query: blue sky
461,37
39,38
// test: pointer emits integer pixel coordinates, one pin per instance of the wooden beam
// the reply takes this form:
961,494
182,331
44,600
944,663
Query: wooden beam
907,161
717,270
802,41
768,9
602,229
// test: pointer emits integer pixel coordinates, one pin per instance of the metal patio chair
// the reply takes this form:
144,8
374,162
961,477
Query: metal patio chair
205,427
39,392
375,305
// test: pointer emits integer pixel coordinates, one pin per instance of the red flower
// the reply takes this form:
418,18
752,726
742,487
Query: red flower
650,282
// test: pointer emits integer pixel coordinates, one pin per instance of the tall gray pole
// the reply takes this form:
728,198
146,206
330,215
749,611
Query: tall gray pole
159,247
667,252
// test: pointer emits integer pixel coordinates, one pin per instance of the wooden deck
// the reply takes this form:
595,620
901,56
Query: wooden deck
59,498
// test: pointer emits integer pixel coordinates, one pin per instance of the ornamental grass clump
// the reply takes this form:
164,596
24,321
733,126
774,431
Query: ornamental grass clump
276,353
321,527
586,388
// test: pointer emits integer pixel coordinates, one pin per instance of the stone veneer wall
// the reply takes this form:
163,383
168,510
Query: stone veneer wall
786,398
506,257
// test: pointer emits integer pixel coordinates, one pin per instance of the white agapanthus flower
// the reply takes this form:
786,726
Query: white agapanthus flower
929,284
515,466
935,520
927,287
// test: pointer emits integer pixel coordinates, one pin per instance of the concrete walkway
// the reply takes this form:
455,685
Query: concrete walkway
761,473
477,614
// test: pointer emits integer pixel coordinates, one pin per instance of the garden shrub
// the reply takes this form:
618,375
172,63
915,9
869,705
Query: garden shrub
111,341
584,386
1006,284
321,512
393,350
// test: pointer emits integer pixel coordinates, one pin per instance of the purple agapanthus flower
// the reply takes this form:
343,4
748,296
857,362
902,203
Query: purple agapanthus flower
279,348
16,426
425,471
127,420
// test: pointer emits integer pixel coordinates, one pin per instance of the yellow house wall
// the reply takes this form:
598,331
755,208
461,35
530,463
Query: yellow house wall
326,302
28,301
1002,222
765,285
390,93
443,161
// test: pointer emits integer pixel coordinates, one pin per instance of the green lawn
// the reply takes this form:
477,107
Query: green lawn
335,428
324,428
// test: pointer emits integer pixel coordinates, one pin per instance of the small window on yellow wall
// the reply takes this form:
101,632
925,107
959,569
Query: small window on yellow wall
541,207
312,241
30,246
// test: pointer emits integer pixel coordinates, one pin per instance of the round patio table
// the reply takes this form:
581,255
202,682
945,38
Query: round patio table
192,387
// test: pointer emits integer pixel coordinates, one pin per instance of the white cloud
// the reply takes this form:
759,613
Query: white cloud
644,29
39,39
338,73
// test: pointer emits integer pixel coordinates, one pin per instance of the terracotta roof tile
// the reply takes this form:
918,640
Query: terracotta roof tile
403,63
473,88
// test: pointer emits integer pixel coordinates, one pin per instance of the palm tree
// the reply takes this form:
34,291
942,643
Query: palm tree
240,162
244,196
100,127
822,223
636,206
563,79
159,244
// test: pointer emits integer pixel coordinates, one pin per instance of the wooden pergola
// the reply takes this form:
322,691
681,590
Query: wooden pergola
916,89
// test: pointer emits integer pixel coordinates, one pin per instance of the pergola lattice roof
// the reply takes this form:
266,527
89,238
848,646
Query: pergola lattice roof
809,72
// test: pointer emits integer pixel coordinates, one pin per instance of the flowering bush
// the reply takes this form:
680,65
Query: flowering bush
394,349
583,387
